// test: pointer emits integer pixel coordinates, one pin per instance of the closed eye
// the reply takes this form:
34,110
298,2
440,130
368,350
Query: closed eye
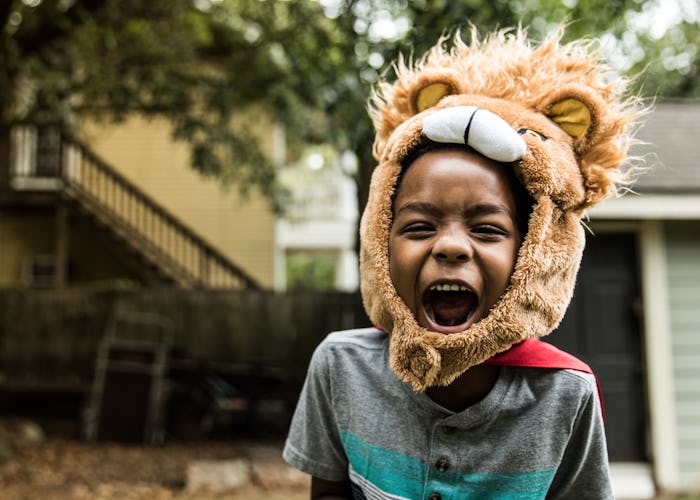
417,229
533,133
489,231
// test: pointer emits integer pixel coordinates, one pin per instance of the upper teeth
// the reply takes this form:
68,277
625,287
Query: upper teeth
454,287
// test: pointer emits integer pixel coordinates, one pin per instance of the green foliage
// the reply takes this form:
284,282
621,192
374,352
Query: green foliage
310,271
670,67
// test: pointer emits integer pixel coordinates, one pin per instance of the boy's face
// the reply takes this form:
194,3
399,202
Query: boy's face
454,238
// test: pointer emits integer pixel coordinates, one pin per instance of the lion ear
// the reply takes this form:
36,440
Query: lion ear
578,112
572,115
429,95
584,115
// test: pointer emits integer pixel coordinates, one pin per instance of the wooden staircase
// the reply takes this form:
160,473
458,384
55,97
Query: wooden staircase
165,242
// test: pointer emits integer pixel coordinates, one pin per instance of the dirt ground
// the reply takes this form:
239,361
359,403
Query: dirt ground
61,468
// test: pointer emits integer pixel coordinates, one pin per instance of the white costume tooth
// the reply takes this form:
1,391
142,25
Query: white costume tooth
481,129
455,287
462,288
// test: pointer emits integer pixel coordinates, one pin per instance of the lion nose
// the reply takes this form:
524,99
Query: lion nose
478,128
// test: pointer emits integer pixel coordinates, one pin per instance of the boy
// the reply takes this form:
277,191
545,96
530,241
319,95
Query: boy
470,243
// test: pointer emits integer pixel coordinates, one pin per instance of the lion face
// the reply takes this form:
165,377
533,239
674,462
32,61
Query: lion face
539,111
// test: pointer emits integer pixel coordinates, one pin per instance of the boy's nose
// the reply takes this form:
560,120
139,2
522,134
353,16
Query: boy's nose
453,247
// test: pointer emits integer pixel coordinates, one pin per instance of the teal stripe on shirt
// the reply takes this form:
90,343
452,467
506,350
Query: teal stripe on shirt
389,471
498,486
403,476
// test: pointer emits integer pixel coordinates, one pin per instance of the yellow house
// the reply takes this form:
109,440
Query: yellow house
125,206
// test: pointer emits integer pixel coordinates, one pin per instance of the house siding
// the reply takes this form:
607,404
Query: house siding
23,234
144,152
683,254
28,233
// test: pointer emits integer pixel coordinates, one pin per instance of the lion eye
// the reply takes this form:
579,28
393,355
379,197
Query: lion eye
533,133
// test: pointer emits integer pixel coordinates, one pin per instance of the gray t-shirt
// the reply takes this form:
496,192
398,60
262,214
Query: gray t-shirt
537,434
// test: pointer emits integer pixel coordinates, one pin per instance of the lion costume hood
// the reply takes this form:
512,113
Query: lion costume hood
547,111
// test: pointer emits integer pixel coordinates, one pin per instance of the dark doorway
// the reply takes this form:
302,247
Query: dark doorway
602,327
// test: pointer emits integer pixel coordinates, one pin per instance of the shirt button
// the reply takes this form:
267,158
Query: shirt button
435,496
442,464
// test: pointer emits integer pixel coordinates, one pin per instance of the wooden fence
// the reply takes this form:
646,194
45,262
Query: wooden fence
50,338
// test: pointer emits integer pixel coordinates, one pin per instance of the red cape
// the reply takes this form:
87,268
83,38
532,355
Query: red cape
537,354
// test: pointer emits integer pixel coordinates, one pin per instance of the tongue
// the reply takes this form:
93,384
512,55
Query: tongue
451,308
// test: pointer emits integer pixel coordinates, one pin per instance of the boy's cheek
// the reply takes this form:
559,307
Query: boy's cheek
400,278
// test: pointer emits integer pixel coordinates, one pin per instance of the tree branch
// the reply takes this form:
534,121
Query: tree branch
47,30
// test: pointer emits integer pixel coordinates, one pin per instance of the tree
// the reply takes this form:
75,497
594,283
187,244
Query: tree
198,64
663,49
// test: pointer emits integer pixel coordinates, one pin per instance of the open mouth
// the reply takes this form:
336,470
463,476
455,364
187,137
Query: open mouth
449,305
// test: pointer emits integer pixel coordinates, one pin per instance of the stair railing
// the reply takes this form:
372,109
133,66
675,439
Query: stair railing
174,247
